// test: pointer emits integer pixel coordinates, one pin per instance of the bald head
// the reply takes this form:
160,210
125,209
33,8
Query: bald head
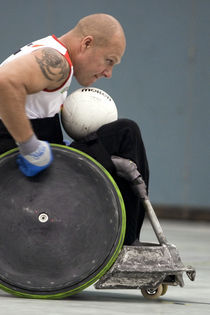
95,45
102,27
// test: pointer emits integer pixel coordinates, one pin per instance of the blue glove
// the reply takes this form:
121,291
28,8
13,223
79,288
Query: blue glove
34,157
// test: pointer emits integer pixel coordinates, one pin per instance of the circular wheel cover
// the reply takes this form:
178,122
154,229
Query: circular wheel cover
61,230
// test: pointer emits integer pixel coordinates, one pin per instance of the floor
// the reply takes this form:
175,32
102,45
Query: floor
192,242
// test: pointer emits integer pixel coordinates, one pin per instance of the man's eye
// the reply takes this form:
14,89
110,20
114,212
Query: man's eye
109,61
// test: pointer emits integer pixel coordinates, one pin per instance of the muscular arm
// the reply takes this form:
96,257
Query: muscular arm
43,69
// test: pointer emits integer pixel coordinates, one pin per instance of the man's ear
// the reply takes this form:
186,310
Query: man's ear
87,42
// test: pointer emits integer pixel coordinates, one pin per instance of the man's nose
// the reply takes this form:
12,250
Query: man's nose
107,73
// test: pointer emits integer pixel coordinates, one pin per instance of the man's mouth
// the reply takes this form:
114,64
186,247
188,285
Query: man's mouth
95,77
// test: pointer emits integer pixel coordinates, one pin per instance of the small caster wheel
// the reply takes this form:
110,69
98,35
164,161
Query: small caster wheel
152,293
165,288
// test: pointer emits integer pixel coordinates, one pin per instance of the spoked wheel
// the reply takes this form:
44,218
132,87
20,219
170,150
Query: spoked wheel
152,293
61,230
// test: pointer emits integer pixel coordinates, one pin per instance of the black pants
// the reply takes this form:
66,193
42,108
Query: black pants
121,138
47,129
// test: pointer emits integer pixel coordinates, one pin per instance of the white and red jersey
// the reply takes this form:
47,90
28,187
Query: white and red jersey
45,103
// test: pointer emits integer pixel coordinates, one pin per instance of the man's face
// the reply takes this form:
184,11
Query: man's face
96,62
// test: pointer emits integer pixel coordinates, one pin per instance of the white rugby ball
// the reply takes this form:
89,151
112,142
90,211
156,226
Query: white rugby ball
85,110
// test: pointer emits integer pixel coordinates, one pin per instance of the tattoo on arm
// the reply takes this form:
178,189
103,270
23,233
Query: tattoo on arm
53,65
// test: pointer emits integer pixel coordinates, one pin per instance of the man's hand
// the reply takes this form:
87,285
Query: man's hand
35,156
127,169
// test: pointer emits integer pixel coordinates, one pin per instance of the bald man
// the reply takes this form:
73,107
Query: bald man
33,86
35,80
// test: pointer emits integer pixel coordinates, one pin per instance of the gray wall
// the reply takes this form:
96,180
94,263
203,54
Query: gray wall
162,82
